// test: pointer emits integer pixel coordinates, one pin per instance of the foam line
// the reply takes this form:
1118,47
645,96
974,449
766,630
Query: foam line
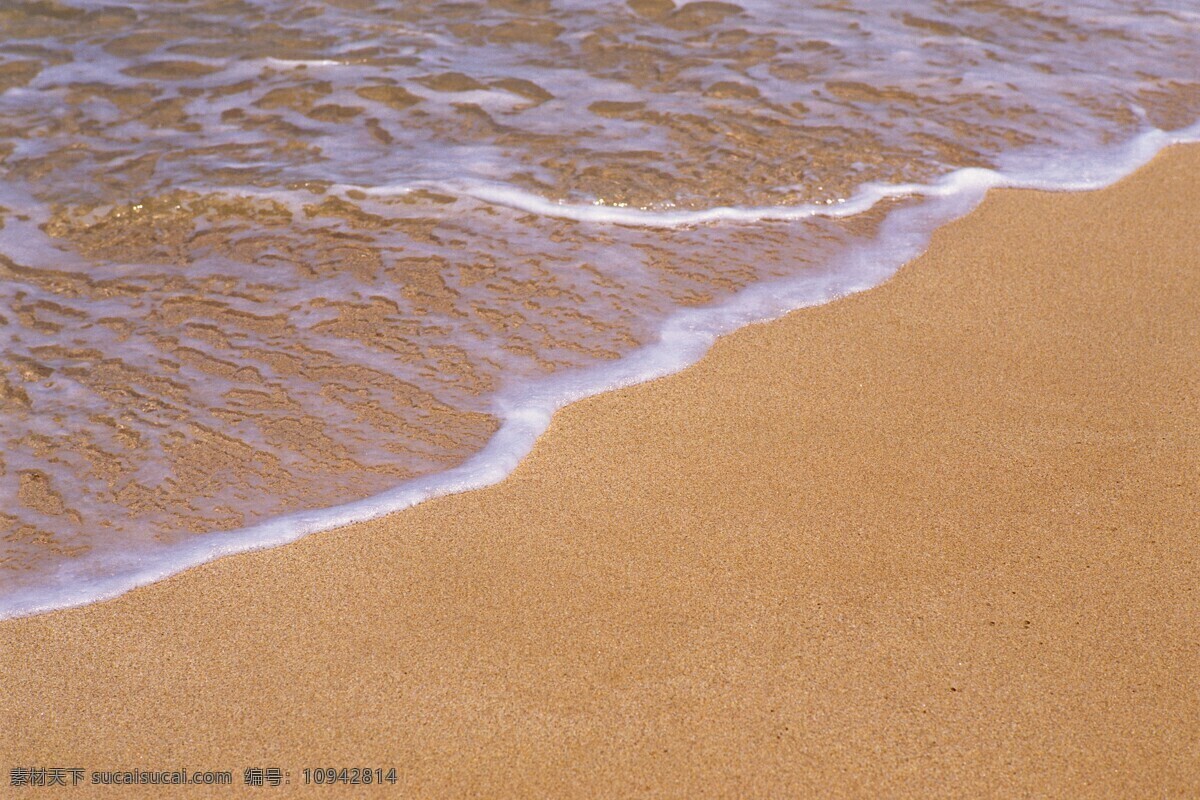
683,340
1080,178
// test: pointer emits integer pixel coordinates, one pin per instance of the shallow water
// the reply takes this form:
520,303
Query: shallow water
261,258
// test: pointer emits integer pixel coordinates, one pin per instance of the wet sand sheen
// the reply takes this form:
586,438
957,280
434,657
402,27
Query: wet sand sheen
935,539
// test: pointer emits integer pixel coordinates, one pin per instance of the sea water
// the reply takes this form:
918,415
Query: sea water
272,266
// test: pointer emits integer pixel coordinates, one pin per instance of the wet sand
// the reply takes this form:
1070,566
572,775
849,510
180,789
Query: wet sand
937,539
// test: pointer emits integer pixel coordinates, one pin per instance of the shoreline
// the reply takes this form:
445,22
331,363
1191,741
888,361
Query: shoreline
684,338
937,534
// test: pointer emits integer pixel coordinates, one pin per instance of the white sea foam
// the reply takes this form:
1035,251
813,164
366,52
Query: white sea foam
682,340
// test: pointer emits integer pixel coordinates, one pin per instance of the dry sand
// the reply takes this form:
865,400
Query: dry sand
938,539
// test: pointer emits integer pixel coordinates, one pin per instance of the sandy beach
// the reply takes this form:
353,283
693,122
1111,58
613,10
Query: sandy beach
936,539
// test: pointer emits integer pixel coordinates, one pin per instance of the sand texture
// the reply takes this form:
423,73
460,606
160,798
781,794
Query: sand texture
936,539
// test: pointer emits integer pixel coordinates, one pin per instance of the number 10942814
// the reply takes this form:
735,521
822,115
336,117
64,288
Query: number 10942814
352,776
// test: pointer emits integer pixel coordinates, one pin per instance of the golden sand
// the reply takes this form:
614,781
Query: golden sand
937,539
